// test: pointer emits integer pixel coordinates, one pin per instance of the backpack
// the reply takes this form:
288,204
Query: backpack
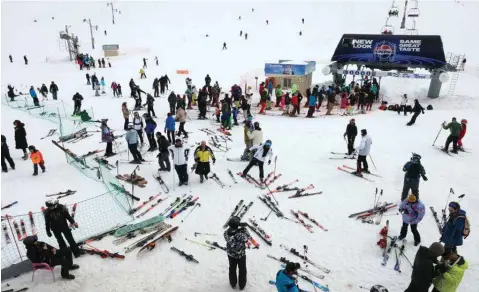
429,107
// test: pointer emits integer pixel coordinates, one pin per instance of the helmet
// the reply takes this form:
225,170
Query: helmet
234,222
416,158
463,121
378,288
256,124
51,203
268,143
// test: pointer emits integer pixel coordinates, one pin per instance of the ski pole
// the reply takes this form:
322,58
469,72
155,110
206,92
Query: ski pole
197,205
210,234
266,218
375,195
272,195
460,197
373,162
440,129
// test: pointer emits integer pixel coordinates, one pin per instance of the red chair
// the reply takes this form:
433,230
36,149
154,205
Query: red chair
42,266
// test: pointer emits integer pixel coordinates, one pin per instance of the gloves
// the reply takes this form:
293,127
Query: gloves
214,160
243,224
424,178
269,162
49,233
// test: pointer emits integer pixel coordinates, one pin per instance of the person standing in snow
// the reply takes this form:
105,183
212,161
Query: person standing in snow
25,59
363,151
126,115
87,79
236,237
462,134
285,280
103,84
403,105
103,62
167,81
247,141
132,87
181,117
131,138
179,155
144,63
44,91
57,218
172,102
423,268
54,90
118,88
150,131
156,60
156,89
255,135
163,145
259,157
224,46
452,270
37,159
202,155
208,80
149,105
11,59
417,109
456,228
77,100
114,87
170,128
142,73
34,96
312,105
6,156
21,138
412,210
455,129
350,134
107,137
413,172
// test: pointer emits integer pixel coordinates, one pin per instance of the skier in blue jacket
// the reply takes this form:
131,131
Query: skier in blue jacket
33,93
456,227
412,210
312,105
285,282
170,128
150,131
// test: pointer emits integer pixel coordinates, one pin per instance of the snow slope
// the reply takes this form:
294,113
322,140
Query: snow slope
175,32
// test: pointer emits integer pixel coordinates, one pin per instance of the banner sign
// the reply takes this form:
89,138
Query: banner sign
111,47
391,51
384,74
284,69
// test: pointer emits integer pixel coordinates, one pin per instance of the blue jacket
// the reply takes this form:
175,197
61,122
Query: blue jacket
412,212
150,126
102,82
312,100
453,229
131,137
170,123
33,93
285,283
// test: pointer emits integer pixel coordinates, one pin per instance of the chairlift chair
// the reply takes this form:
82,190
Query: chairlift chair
413,12
393,11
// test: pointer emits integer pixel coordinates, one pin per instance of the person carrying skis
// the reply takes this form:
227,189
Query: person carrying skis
181,117
412,210
54,90
455,129
126,115
417,109
21,138
179,155
163,145
452,268
107,137
37,159
462,134
41,252
172,102
149,105
285,280
6,155
413,172
131,138
150,131
363,151
236,237
259,157
456,228
350,134
56,217
170,128
77,99
34,96
202,159
423,268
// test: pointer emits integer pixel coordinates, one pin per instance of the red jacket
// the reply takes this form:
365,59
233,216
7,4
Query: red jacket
295,100
463,131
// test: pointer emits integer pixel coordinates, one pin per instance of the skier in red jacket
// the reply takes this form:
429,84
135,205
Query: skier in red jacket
462,134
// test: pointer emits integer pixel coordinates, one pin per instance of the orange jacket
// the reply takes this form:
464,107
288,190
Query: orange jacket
36,157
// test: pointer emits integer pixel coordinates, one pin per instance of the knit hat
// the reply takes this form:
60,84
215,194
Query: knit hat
436,249
455,205
411,198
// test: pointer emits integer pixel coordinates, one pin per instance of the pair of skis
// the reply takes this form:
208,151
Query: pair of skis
217,180
162,183
62,194
152,243
50,133
238,208
150,199
298,193
286,261
305,258
254,226
347,169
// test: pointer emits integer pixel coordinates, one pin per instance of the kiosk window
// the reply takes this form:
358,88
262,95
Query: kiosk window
287,82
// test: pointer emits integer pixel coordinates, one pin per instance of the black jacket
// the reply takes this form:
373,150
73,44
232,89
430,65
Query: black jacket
20,137
41,252
132,85
56,219
163,144
423,270
172,98
44,89
351,130
10,93
53,87
77,98
418,108
150,100
5,151
156,82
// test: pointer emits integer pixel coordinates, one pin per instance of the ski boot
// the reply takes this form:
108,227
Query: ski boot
357,173
201,178
460,148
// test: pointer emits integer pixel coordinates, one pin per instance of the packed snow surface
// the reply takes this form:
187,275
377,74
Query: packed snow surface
176,33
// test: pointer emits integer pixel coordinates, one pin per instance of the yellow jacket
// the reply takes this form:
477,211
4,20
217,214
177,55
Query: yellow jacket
142,71
450,280
203,155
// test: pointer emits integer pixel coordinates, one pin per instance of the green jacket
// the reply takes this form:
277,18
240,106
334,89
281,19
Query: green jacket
450,280
454,127
279,92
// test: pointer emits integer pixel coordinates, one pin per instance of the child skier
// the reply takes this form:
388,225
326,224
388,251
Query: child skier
37,159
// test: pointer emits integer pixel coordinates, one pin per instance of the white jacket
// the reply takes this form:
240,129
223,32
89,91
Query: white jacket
259,152
365,146
137,123
256,136
404,101
179,154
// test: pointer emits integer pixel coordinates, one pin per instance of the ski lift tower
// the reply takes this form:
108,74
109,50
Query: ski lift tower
72,42
403,21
